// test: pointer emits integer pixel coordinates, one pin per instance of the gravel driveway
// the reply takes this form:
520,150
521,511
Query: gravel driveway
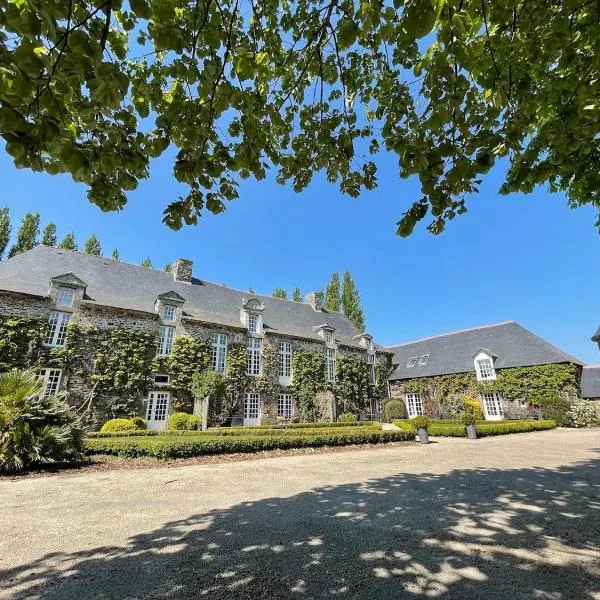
515,516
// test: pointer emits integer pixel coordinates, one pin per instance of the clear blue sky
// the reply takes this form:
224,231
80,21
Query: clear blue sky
527,258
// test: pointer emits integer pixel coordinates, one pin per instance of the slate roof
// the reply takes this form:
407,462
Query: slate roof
590,382
513,345
596,336
122,285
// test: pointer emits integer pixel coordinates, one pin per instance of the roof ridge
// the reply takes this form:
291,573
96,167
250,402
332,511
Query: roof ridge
432,337
591,366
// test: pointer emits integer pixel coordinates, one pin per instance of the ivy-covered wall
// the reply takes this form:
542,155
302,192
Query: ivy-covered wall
110,360
537,385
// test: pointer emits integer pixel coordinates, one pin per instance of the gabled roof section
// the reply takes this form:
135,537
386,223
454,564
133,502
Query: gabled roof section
69,279
172,297
514,346
596,336
485,351
130,287
590,382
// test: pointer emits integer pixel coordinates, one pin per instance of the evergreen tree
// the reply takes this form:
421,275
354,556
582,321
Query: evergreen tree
116,255
49,235
297,295
332,293
146,263
68,242
4,229
92,246
351,302
168,267
27,234
280,293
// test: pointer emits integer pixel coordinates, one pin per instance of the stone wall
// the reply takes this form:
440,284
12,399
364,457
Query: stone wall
78,381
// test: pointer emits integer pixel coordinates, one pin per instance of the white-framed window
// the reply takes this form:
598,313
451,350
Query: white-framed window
485,369
330,361
285,406
414,404
254,356
285,359
161,380
253,323
411,362
492,404
168,313
56,335
371,368
423,359
51,379
328,336
166,335
219,351
65,297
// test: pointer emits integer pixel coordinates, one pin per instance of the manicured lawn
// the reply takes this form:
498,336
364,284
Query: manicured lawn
229,440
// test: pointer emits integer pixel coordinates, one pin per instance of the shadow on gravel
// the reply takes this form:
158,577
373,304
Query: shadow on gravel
524,533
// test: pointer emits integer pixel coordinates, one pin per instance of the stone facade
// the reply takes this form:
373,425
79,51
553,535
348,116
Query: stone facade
79,382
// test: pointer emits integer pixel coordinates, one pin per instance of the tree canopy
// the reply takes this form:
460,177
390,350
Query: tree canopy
92,246
27,234
351,303
98,88
332,293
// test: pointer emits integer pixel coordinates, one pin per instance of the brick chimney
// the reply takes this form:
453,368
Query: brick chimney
314,299
182,270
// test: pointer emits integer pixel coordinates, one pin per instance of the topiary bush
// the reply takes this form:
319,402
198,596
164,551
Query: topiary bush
183,421
35,429
420,422
348,417
393,408
119,425
584,413
472,405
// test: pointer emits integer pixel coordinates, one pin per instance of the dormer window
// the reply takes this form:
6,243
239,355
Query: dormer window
411,362
168,313
65,297
329,337
253,323
484,366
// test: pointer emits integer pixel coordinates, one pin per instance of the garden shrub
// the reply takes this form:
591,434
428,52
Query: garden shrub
420,422
185,446
584,413
502,427
393,408
184,421
348,417
556,408
139,423
472,405
119,425
35,429
468,418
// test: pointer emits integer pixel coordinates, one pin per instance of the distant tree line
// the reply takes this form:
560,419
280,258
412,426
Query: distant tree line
28,235
337,297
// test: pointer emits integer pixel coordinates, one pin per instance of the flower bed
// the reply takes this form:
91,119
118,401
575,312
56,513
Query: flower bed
178,446
484,428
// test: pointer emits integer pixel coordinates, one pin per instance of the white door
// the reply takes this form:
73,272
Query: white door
414,405
252,409
158,410
492,404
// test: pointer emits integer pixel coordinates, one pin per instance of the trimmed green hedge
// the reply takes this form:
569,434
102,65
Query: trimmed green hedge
186,446
484,428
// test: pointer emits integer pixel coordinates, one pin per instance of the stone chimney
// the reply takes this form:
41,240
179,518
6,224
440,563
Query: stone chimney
314,299
182,270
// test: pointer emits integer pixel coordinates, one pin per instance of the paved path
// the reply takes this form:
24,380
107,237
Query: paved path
516,516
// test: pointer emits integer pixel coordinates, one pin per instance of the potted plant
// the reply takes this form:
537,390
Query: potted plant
421,424
469,421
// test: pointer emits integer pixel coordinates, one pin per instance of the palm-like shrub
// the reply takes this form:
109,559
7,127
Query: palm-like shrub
35,429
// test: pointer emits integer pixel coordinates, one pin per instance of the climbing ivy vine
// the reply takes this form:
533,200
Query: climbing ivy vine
309,379
352,389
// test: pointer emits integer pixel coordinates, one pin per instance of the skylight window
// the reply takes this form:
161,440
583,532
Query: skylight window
412,361
423,359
